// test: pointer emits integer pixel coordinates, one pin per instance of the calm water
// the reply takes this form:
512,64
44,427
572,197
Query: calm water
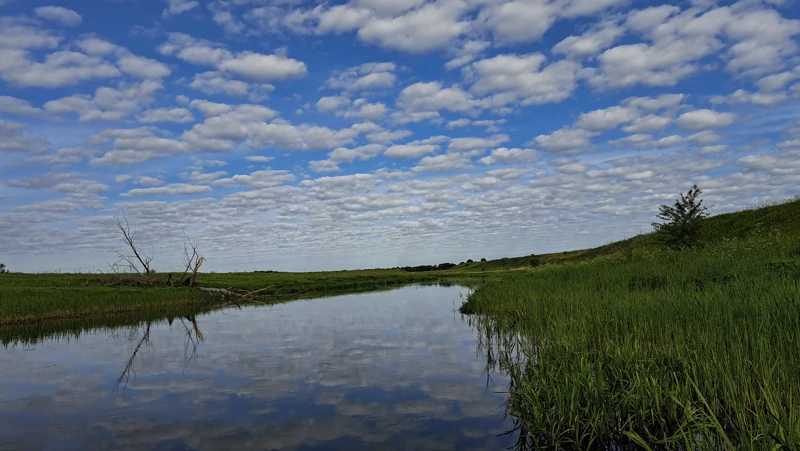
389,370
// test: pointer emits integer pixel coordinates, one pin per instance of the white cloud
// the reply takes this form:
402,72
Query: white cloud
17,33
138,146
410,150
518,20
703,119
777,81
705,138
430,27
606,119
149,181
565,140
669,141
324,166
467,53
17,106
177,115
332,104
213,82
464,145
367,76
59,15
590,43
63,68
259,159
432,97
521,78
648,124
13,139
664,101
141,67
194,51
660,64
266,178
443,163
505,155
210,108
175,189
758,98
107,103
263,68
177,7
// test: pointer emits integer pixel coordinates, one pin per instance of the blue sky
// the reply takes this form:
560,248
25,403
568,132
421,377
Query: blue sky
296,135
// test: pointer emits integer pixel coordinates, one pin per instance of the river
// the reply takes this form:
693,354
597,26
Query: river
384,370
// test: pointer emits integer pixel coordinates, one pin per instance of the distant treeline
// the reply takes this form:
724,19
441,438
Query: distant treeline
424,268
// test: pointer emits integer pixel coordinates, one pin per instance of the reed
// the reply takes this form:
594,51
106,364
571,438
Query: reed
653,349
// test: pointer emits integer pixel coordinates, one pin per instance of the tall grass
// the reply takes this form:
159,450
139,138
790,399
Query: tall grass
653,349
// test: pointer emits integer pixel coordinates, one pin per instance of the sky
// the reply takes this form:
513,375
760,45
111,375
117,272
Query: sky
300,135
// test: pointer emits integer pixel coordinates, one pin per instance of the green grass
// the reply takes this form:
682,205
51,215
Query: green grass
35,298
647,348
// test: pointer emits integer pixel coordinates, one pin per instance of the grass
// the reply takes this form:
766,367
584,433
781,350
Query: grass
633,347
37,298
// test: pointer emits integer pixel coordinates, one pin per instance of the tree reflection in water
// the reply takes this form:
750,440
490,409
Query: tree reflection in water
140,335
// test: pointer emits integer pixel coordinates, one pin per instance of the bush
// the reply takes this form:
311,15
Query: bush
483,260
534,261
682,223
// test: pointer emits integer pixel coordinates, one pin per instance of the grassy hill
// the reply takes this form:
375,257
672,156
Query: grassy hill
782,217
630,346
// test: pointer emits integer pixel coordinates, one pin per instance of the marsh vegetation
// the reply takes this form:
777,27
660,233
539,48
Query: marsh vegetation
656,348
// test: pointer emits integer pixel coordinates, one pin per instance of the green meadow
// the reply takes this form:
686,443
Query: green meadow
640,347
36,298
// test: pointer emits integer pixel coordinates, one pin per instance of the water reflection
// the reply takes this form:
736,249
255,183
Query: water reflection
391,370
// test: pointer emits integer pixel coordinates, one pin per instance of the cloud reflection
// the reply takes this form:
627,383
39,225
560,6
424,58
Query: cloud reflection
390,370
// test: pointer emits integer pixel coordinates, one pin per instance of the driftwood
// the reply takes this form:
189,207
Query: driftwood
251,296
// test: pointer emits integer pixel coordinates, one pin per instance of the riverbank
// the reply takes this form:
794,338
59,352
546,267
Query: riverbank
684,350
37,298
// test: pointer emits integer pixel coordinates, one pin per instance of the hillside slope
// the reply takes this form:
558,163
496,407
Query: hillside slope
783,217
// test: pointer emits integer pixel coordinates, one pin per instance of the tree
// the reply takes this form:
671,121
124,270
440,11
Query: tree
3,268
682,222
129,261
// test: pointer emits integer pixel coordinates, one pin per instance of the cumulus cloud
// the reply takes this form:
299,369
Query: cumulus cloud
59,15
606,119
505,155
523,78
174,189
14,139
177,7
410,150
365,77
20,107
565,140
177,115
263,68
703,119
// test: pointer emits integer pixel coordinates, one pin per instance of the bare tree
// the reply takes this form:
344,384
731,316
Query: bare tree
133,260
192,259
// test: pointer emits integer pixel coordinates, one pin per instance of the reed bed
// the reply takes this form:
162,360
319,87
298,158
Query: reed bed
653,349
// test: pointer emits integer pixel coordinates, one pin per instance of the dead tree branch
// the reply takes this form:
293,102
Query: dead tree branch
192,259
134,261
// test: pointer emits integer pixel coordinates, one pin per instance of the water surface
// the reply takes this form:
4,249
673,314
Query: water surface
388,370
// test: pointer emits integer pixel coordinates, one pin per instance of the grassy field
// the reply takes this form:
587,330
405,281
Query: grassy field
34,298
633,347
